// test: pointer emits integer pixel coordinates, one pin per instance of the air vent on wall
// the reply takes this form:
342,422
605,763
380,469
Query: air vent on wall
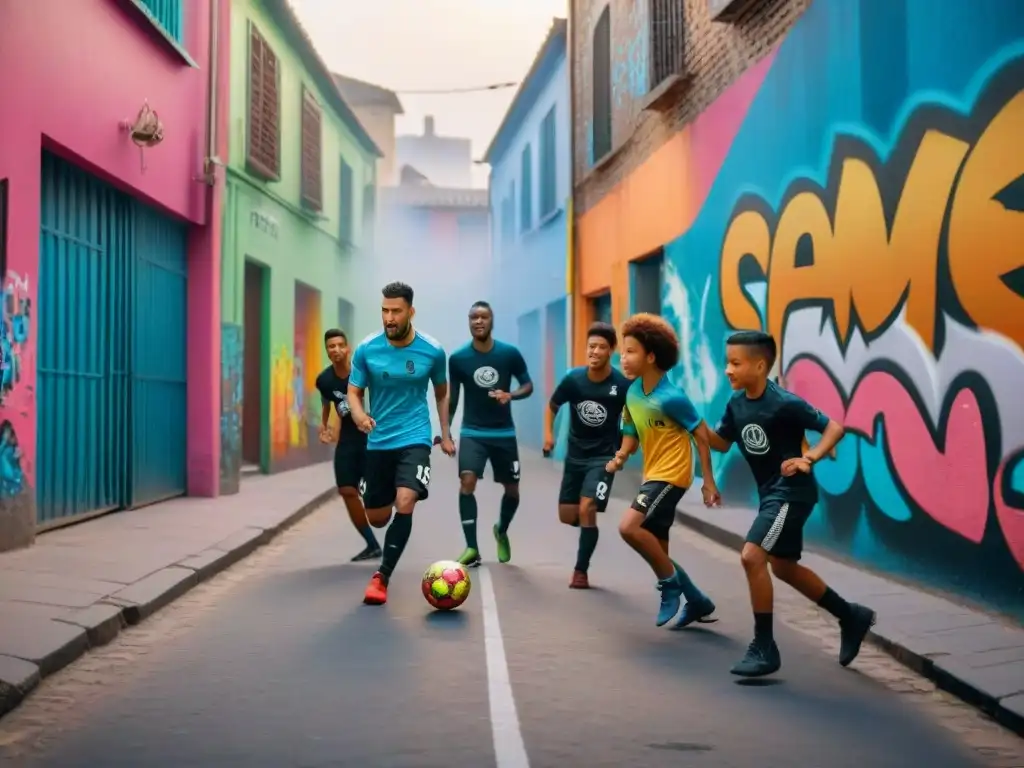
729,10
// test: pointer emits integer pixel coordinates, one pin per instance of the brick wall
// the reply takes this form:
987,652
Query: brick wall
717,53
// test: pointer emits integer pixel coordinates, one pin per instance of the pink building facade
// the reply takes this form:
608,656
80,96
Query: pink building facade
111,256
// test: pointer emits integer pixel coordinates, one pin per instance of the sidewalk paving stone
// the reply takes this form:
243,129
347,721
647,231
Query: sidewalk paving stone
78,587
972,654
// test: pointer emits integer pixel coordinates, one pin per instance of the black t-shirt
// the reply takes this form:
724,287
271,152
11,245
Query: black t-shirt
768,430
334,389
475,375
596,412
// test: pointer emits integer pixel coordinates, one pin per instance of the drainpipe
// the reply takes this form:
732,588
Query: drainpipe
570,31
212,97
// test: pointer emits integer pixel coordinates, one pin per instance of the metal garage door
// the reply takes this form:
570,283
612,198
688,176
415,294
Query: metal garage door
111,349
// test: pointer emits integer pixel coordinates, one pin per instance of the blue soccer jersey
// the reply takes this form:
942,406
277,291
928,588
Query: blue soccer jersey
397,379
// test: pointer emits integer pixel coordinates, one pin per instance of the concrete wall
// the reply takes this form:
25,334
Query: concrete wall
69,74
857,193
267,225
529,276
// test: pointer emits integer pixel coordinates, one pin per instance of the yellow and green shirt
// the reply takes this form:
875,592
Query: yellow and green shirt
662,421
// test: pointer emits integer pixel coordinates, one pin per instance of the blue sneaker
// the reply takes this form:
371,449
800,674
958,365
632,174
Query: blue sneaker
696,611
671,600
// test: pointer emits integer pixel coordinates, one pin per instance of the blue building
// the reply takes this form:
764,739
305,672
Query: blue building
529,199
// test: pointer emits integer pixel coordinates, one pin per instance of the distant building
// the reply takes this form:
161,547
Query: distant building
446,160
376,108
529,194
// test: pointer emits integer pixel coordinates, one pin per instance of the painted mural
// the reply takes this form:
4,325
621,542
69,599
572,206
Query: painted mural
295,403
16,396
863,200
231,385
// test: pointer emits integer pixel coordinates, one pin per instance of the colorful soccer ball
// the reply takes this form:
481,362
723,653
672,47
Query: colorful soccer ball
446,585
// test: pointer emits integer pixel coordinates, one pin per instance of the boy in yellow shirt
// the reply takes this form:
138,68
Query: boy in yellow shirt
661,419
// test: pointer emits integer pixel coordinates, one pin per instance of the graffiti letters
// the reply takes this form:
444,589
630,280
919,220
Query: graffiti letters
264,223
897,295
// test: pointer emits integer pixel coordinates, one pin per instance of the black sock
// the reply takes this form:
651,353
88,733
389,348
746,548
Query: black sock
368,536
509,505
394,542
834,604
763,627
468,513
588,543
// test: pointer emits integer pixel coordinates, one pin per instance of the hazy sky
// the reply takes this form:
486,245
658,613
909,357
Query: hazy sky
435,44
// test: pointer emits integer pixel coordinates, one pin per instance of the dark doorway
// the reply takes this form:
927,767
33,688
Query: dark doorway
648,280
253,366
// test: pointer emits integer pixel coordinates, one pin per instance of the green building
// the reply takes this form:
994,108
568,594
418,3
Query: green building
298,224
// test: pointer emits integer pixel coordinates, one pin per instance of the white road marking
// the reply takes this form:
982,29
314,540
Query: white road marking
509,749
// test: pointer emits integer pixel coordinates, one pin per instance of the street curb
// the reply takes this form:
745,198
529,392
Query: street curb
101,622
914,661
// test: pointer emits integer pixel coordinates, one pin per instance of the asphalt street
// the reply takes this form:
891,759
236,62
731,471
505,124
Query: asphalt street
277,663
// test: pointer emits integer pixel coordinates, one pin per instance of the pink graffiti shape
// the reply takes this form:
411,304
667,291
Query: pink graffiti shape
1011,519
951,485
809,380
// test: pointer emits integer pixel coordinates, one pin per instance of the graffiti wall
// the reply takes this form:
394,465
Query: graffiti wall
231,387
17,397
860,195
295,403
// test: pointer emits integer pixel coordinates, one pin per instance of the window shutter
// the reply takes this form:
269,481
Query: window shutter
264,154
312,182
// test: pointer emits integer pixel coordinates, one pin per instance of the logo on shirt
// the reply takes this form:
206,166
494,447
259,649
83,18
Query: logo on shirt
614,390
485,377
755,440
592,414
410,366
342,406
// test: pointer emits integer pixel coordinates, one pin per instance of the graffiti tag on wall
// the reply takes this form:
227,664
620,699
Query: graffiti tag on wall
897,295
15,326
232,376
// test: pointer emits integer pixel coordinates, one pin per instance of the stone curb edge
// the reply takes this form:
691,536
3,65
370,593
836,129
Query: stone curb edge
922,665
101,622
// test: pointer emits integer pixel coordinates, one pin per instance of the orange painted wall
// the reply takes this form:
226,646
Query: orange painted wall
652,206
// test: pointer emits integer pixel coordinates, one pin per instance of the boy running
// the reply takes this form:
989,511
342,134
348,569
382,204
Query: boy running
596,394
660,419
396,365
768,424
485,368
350,452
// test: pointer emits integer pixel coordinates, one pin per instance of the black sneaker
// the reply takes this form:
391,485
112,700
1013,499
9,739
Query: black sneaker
852,632
370,553
761,659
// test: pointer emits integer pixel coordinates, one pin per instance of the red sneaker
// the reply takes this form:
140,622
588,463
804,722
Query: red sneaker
376,590
579,580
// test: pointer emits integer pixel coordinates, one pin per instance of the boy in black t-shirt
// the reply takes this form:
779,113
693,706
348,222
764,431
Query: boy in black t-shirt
596,395
768,424
350,453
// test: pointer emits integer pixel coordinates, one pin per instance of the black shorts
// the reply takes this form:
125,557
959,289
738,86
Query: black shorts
586,479
389,470
778,528
350,464
502,452
657,501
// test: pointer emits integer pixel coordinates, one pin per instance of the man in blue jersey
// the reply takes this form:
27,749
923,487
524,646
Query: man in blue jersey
485,369
396,365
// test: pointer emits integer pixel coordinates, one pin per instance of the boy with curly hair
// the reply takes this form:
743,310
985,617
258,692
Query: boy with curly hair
662,420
